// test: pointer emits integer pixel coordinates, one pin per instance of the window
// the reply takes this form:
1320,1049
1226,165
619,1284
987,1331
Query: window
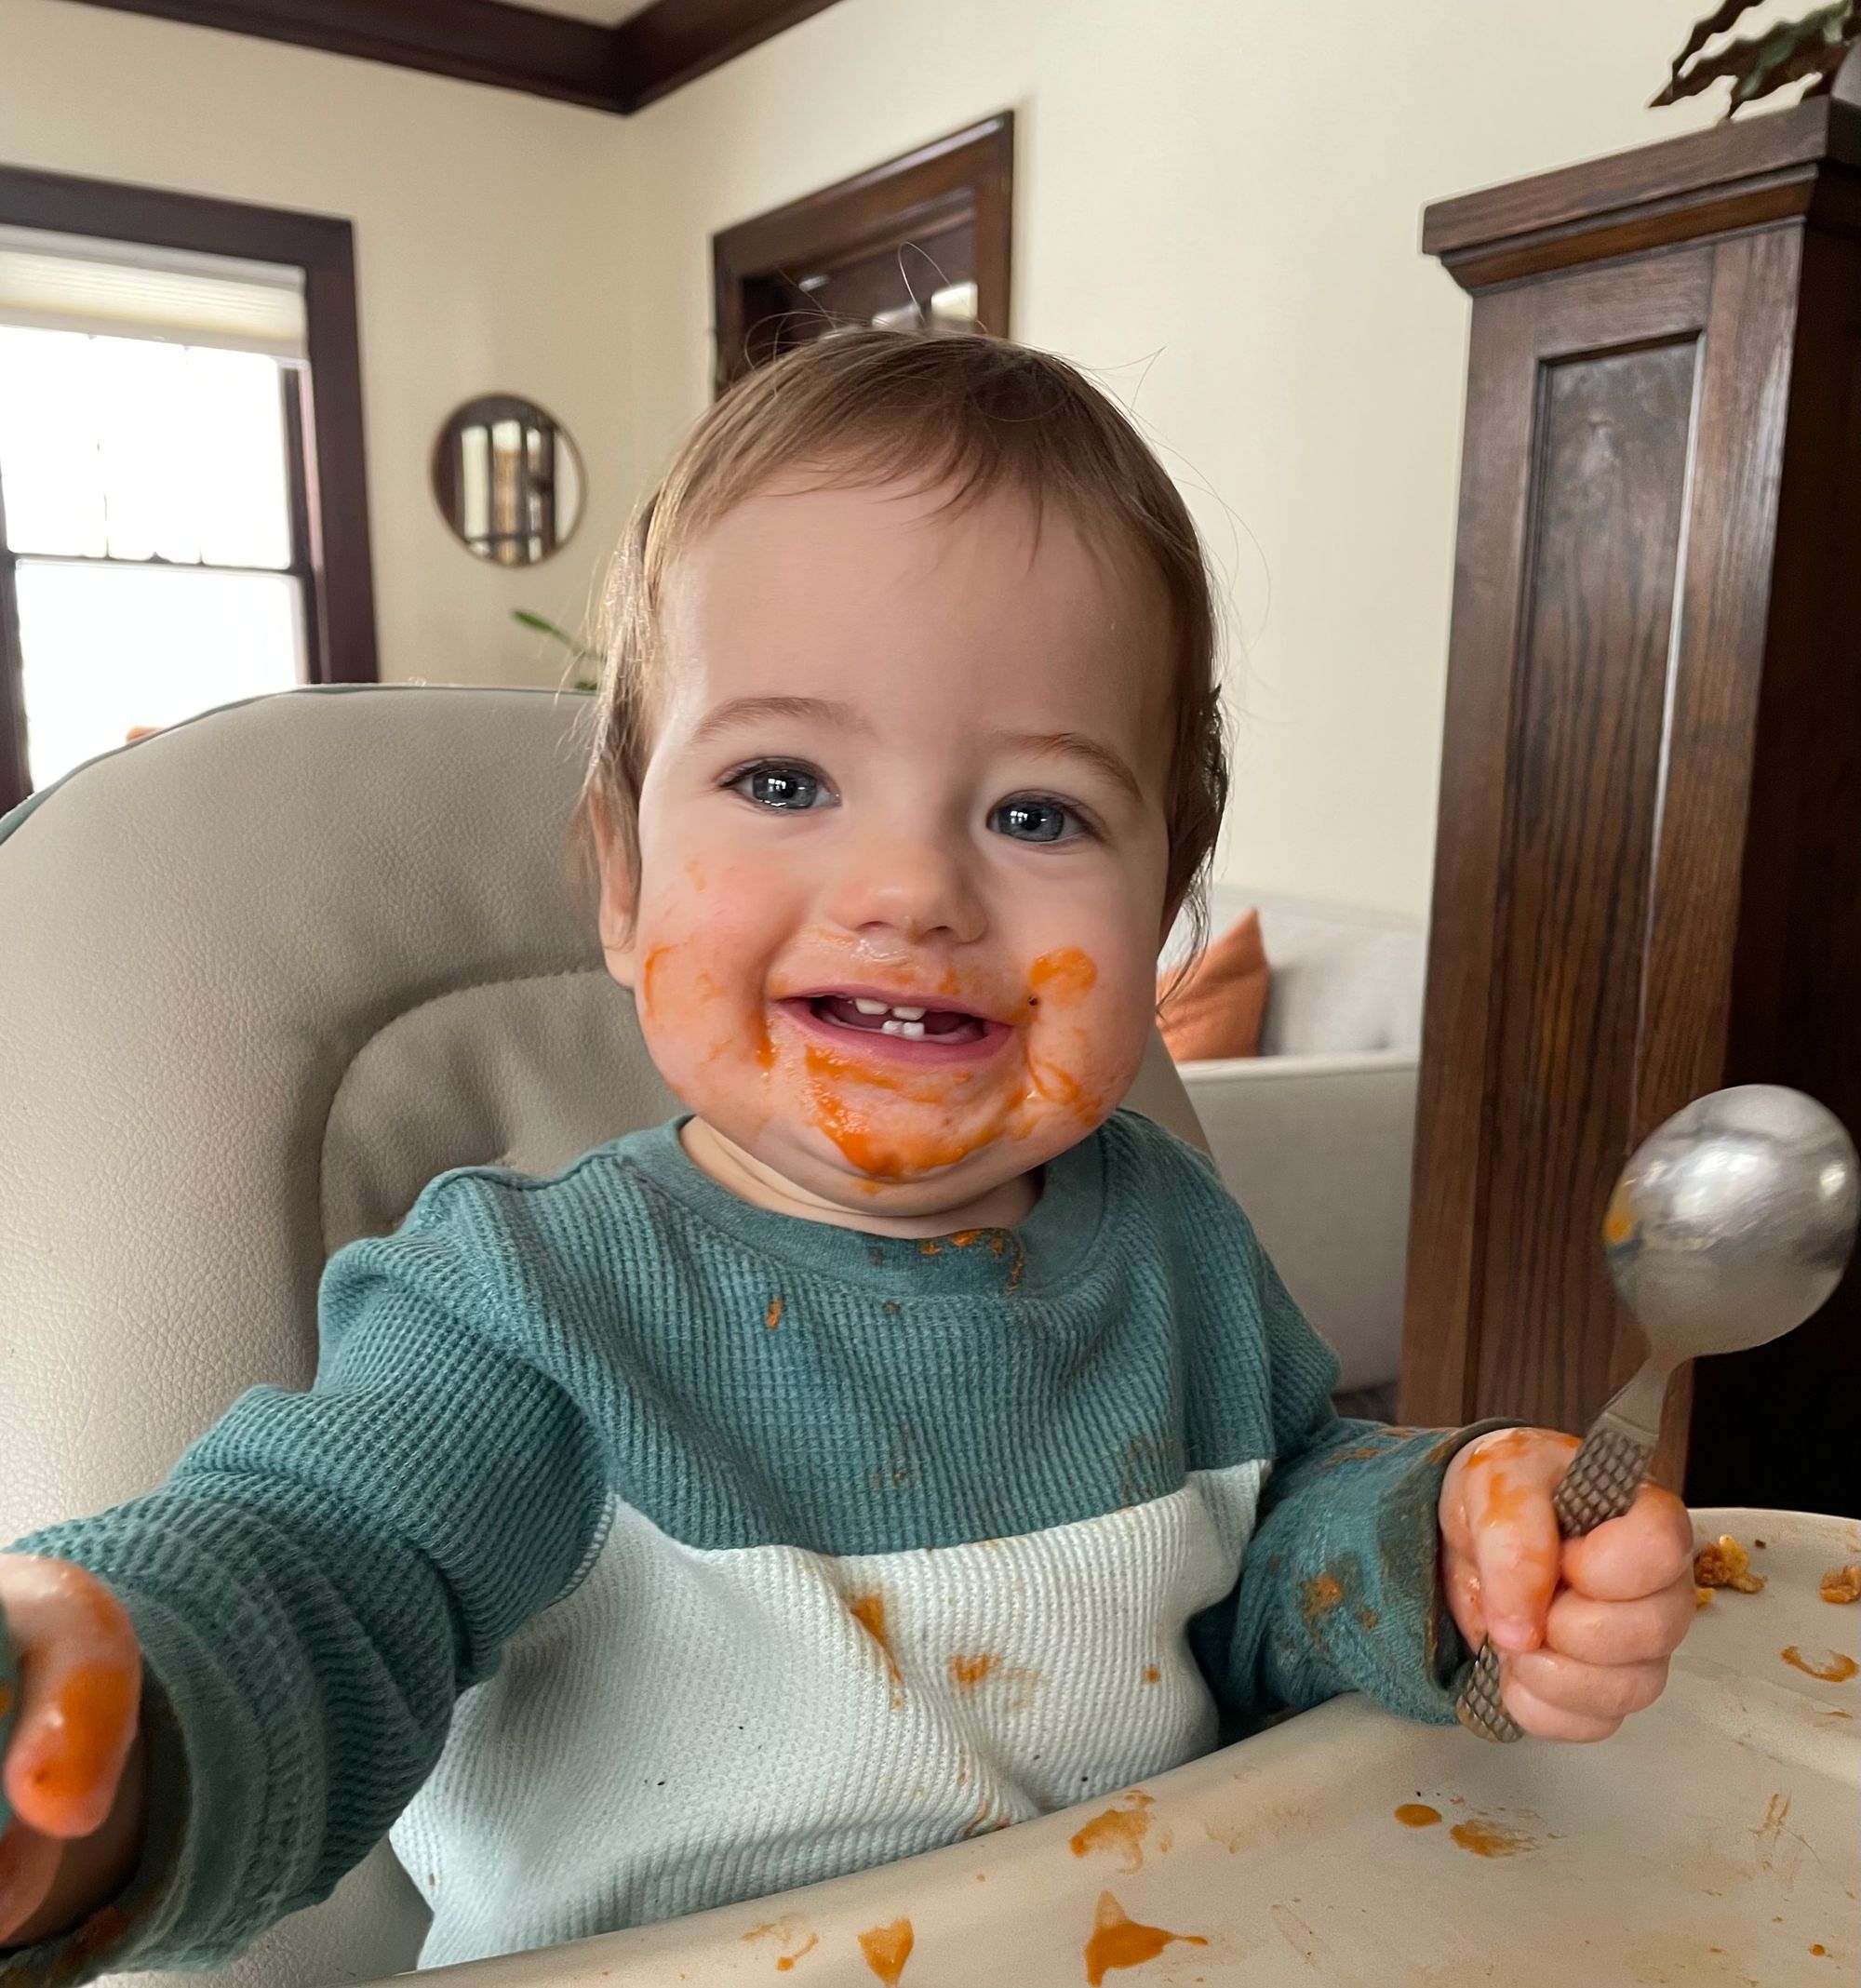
165,435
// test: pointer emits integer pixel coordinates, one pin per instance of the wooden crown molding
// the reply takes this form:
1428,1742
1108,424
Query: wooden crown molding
619,69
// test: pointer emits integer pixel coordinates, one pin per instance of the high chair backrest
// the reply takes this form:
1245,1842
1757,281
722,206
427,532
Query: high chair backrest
261,977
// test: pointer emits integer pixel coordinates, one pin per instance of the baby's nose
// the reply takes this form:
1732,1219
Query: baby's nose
914,887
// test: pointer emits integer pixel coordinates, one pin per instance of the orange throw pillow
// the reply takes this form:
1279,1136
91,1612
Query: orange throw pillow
1219,1010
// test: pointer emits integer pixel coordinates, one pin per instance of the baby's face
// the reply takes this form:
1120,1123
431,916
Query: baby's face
902,844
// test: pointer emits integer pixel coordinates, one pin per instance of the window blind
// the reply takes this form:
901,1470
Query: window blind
128,289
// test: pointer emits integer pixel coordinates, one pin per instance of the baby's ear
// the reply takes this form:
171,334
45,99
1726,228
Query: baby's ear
615,919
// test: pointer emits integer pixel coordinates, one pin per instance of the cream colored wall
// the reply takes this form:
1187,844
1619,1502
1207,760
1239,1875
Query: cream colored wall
487,251
1218,209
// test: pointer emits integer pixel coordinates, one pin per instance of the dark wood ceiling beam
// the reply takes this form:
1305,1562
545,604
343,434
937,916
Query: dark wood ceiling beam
619,68
476,41
673,42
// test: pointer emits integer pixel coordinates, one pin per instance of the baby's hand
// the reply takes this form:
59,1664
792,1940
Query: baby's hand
72,1774
1584,1627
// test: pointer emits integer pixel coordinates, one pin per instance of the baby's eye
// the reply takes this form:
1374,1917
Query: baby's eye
775,783
1032,818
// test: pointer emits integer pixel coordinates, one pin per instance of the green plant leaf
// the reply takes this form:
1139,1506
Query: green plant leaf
581,652
1716,22
1816,46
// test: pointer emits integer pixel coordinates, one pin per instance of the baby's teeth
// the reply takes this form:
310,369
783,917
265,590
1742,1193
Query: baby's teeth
911,1029
873,1007
909,1014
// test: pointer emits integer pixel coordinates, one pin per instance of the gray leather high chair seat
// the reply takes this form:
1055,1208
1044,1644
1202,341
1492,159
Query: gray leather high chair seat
261,977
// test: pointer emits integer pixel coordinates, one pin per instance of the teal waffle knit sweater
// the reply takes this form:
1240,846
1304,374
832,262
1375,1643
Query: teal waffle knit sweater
637,1550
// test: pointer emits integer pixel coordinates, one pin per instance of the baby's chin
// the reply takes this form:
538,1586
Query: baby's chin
989,1187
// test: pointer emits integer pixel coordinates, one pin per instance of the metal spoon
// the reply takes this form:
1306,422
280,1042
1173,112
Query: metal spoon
1731,1224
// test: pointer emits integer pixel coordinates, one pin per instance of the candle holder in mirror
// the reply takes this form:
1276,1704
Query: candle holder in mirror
507,479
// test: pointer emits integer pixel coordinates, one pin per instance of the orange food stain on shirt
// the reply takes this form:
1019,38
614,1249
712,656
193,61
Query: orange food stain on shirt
868,1611
1491,1839
1119,1832
887,1949
1835,1670
772,1318
1322,1594
1417,1815
1119,1941
967,1673
1151,1673
90,1710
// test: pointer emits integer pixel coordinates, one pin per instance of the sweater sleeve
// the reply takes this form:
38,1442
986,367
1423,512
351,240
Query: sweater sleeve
1340,1585
319,1578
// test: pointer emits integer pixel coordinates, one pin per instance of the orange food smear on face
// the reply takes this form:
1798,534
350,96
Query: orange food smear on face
1120,1942
1065,974
1491,1839
1417,1815
887,1949
772,1318
1836,1670
649,970
968,1671
1119,1832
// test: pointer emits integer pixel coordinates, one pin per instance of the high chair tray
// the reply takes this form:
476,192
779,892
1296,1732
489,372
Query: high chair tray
1716,1840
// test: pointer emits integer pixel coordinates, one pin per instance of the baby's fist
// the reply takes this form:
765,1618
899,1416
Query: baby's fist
1584,1627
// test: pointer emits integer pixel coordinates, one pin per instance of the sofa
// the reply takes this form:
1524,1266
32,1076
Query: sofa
1314,1136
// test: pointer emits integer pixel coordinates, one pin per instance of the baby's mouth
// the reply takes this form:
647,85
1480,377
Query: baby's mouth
904,1020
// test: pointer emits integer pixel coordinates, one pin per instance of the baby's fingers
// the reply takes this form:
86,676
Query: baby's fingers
1605,1691
1621,1632
81,1672
1648,1549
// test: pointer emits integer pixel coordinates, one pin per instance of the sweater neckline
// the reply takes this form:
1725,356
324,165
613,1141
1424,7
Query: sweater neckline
1049,1243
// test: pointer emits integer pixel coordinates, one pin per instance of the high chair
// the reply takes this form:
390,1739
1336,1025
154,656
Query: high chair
262,976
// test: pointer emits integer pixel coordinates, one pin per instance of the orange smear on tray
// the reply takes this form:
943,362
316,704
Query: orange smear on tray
1119,1831
887,1949
1417,1815
1491,1839
1120,1942
787,1960
1835,1669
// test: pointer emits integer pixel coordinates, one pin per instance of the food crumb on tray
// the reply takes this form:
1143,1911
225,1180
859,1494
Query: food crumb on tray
1726,1564
1843,1583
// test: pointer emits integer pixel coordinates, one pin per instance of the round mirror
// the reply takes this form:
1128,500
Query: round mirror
507,479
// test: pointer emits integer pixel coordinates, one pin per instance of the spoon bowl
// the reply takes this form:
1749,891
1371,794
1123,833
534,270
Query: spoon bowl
1732,1222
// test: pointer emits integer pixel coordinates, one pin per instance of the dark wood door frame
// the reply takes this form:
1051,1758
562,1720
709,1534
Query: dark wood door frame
618,69
969,174
339,600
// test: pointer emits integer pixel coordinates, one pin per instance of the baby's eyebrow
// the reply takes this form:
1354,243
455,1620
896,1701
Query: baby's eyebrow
746,710
1076,745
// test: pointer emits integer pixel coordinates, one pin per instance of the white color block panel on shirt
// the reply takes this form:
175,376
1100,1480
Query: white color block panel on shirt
691,1728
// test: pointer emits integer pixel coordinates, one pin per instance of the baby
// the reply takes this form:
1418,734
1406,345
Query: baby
902,1442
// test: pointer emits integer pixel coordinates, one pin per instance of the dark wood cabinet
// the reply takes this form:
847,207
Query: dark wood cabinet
1648,877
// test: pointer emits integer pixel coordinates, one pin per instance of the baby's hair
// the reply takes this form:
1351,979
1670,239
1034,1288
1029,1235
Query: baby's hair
957,412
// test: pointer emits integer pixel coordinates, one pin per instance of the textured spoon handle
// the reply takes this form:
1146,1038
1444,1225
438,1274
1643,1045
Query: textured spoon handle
1601,1484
